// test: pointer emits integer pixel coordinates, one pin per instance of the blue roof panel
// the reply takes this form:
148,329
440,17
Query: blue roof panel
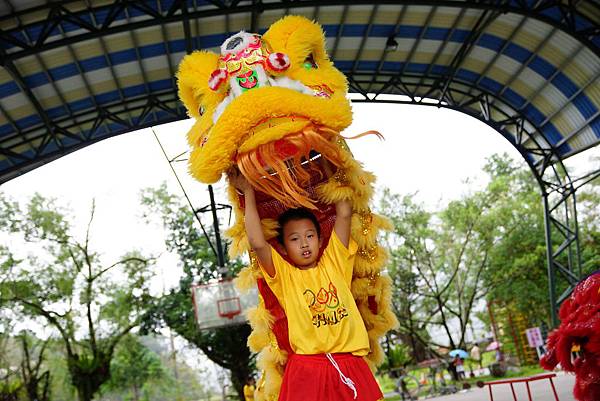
93,63
542,67
8,88
491,42
584,106
595,124
6,129
29,121
435,33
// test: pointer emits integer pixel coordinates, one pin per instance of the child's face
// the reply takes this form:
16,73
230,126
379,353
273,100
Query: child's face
301,242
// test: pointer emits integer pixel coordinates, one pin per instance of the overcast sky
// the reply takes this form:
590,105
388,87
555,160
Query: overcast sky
427,151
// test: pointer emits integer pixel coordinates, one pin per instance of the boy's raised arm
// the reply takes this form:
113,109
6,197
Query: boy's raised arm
343,211
256,237
343,217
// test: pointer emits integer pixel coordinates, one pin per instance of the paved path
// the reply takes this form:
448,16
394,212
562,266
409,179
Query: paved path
540,391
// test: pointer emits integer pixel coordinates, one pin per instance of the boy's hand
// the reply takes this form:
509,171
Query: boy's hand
237,179
256,237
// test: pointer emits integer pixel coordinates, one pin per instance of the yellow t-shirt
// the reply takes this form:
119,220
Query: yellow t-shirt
322,315
248,392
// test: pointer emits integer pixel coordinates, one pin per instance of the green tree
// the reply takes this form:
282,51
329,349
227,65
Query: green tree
517,273
63,283
589,223
224,346
12,387
133,366
436,263
489,244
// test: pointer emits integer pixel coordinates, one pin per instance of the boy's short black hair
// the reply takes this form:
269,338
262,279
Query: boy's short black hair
296,214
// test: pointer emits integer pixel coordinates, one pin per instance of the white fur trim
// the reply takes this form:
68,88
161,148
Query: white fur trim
292,84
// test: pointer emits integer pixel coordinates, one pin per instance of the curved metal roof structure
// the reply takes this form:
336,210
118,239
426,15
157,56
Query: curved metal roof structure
78,71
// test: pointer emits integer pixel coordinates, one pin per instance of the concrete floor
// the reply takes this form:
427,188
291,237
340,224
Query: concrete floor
540,391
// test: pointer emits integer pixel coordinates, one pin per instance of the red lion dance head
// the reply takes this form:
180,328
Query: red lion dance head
576,342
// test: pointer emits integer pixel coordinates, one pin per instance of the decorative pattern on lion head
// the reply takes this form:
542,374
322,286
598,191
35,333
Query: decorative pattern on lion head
270,105
576,342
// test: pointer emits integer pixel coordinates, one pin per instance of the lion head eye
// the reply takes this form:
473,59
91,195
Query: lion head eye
201,110
310,63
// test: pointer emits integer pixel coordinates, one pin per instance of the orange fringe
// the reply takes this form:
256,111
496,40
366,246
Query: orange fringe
265,169
371,132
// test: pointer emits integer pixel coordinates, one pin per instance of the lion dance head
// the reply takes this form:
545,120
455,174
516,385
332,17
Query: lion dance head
575,345
271,105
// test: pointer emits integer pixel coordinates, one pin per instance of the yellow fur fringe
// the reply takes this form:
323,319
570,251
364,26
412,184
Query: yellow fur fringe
245,280
272,362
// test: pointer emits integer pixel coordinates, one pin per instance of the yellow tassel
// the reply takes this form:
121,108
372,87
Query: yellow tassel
376,356
370,261
366,227
260,318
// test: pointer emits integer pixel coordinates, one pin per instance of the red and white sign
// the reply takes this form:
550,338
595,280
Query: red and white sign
534,337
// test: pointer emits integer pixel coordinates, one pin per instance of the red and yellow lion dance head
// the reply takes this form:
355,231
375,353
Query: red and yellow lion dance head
575,345
263,105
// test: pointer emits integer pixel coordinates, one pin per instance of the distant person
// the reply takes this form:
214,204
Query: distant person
452,370
459,364
476,355
249,389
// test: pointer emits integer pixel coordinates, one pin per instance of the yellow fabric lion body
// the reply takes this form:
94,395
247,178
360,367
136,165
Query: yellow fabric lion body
267,105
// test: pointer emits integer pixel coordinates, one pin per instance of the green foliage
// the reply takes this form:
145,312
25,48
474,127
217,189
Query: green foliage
35,376
436,263
132,367
12,390
62,282
396,357
517,262
224,346
488,244
589,225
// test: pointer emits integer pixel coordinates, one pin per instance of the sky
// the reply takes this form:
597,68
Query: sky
427,151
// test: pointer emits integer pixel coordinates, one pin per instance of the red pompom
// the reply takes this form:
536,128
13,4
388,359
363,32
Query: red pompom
278,61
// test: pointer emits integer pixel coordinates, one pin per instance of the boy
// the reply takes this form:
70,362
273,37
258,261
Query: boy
326,331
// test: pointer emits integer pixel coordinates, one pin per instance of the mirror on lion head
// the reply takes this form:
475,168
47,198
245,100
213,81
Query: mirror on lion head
263,104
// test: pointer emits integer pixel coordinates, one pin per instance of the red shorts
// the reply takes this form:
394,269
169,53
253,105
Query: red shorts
315,378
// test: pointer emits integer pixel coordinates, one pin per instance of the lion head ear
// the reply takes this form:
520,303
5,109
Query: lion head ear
299,38
193,81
